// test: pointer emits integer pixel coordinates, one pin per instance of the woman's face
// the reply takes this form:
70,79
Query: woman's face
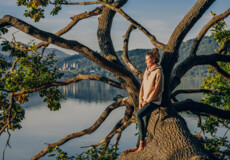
149,62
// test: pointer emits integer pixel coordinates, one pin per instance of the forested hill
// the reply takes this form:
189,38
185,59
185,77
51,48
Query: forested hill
58,53
75,64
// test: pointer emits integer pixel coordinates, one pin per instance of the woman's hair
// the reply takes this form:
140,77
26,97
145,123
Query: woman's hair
154,54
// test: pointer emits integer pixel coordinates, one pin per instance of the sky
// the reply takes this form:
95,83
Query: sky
160,17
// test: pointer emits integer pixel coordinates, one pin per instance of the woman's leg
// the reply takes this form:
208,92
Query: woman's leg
142,119
143,122
141,115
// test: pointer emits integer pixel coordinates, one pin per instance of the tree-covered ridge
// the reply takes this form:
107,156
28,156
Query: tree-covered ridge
85,66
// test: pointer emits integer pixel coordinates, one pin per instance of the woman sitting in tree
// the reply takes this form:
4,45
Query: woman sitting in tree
150,96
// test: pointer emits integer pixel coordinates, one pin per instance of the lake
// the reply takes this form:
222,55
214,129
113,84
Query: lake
84,104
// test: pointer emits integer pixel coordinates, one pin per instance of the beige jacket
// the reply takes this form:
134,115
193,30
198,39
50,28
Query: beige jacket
152,85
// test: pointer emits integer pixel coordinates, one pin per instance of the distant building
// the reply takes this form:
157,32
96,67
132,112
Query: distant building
67,66
92,71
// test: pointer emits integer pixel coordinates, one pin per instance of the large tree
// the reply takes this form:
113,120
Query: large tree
169,137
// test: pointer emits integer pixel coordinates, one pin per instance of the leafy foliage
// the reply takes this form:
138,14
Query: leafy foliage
35,8
101,153
222,100
30,71
53,98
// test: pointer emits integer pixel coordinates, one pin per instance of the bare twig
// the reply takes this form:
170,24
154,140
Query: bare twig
117,140
200,122
43,50
224,47
228,127
222,152
226,132
7,144
220,71
11,69
9,119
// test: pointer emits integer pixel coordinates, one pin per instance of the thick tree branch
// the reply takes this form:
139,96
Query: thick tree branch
190,105
181,91
11,69
205,29
78,3
128,81
192,61
61,42
137,25
94,127
220,71
68,81
125,56
75,20
128,117
187,23
171,52
105,42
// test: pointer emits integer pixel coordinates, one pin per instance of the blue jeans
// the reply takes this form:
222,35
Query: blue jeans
143,116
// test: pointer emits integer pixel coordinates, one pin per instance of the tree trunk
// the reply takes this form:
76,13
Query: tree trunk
169,139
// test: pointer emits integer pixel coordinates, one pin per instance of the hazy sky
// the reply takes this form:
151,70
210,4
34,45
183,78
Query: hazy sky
160,17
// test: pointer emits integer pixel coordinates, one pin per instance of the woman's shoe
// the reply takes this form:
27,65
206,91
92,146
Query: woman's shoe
131,150
141,146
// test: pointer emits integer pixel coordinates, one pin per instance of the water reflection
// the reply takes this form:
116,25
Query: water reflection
94,91
190,83
85,102
91,91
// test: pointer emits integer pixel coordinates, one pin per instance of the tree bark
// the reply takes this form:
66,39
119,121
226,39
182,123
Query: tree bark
169,139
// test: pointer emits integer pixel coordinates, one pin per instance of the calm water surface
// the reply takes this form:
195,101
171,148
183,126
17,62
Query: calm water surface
85,102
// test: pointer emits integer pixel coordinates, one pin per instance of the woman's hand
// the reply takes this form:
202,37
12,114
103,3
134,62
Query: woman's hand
144,103
141,104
